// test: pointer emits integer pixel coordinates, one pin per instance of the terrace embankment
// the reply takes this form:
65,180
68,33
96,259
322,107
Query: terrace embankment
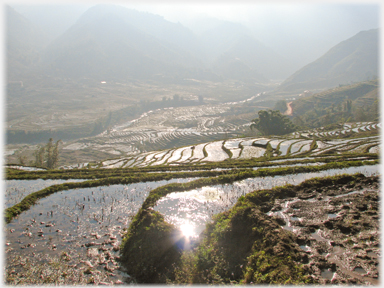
324,230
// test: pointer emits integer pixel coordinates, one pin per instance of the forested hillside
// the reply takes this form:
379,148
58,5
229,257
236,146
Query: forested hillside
356,102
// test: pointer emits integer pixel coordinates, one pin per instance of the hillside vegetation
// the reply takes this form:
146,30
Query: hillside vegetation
356,102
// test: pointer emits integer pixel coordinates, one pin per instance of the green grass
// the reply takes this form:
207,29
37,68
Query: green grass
226,150
99,173
210,264
232,244
245,246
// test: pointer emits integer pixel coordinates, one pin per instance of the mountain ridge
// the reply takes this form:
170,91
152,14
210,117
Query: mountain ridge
352,60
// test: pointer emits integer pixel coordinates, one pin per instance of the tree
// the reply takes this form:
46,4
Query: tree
272,122
39,156
22,159
48,155
49,149
347,105
55,155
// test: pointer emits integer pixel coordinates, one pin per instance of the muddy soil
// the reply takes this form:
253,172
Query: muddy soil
338,228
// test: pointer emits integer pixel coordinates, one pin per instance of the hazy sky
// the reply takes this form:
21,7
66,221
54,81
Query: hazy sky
293,28
319,25
253,11
239,11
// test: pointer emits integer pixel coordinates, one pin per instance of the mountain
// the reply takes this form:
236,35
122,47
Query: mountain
234,68
220,38
24,44
171,34
114,42
230,42
258,57
353,60
104,44
53,20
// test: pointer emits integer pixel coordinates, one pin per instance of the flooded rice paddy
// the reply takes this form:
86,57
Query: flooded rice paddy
16,190
86,225
241,148
195,208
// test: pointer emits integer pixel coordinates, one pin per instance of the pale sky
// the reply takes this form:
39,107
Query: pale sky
249,11
237,11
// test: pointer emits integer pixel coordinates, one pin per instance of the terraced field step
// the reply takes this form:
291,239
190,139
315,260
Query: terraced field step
210,146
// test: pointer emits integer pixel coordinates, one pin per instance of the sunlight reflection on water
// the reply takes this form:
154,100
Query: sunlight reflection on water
197,206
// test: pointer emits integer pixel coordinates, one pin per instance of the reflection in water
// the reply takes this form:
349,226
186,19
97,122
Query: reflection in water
188,230
372,254
80,222
199,205
327,274
305,248
359,270
16,190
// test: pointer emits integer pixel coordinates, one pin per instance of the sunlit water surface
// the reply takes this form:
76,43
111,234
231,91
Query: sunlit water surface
195,208
16,190
77,220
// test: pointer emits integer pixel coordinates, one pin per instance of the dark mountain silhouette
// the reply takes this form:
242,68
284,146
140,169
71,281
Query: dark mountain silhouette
353,60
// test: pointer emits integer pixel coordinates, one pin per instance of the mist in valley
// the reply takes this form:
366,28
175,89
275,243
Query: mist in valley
179,142
112,71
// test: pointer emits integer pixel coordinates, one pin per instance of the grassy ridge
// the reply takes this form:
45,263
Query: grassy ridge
162,191
202,268
213,178
98,173
242,245
32,198
245,246
151,249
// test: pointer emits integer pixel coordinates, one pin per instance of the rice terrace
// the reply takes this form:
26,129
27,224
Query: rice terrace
199,155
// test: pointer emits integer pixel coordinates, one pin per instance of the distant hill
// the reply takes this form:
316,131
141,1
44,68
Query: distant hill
24,44
228,42
53,20
353,60
234,68
114,42
355,92
331,105
170,34
106,46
